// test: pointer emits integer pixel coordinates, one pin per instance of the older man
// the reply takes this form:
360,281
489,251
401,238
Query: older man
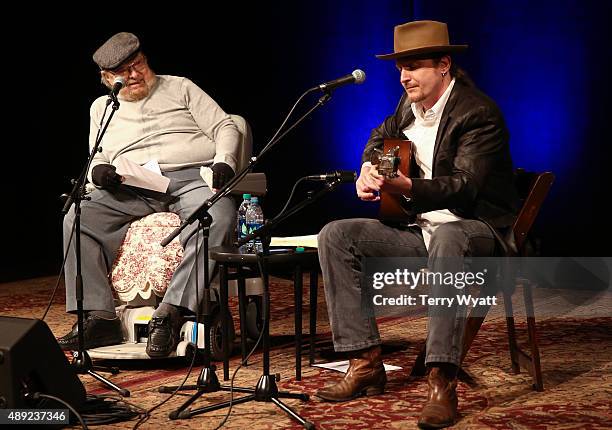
461,191
170,120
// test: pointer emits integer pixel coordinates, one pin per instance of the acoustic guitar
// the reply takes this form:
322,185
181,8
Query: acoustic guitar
395,156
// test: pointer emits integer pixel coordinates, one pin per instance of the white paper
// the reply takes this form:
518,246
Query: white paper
307,241
140,176
153,166
342,366
207,175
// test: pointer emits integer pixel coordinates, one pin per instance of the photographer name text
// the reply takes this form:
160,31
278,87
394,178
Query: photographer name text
424,299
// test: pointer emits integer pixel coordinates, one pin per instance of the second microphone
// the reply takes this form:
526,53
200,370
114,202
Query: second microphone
338,175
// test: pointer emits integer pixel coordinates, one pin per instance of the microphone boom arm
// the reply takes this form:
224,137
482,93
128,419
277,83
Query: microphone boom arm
229,186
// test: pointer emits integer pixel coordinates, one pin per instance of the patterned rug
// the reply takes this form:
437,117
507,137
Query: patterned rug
576,363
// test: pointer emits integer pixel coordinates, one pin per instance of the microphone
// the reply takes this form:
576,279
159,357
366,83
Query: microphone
118,83
357,77
338,175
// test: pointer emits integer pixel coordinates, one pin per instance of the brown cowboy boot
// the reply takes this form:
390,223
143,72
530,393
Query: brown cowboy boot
365,375
441,408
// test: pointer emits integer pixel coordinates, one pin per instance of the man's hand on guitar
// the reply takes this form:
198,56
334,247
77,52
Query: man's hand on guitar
365,184
401,184
370,183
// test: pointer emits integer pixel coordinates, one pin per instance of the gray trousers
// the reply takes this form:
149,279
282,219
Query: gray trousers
106,218
342,246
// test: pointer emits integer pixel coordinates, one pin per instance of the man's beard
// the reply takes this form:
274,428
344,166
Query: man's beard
415,97
141,92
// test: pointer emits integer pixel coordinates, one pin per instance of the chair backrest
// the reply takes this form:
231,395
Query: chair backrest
246,143
532,189
253,183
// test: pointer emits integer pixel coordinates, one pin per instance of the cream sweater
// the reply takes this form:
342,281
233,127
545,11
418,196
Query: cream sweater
178,125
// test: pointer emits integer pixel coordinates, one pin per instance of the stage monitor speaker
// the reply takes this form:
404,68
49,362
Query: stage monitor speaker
31,361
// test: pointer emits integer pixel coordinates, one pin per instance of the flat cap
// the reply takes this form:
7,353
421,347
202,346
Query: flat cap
116,50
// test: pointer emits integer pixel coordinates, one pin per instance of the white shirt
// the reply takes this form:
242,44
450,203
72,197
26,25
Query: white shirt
422,132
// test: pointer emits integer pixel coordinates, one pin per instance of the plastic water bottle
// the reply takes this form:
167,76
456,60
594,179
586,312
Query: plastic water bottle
254,220
241,227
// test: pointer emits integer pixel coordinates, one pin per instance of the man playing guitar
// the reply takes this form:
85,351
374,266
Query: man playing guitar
457,192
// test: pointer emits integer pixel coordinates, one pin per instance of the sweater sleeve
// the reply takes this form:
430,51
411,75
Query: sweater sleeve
213,122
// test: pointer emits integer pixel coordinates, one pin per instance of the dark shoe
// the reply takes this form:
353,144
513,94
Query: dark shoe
365,376
441,408
96,332
163,336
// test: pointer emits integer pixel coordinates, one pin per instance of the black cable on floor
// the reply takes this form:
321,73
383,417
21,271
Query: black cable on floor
57,399
99,410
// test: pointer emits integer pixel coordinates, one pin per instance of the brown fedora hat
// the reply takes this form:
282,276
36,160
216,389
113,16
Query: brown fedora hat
420,37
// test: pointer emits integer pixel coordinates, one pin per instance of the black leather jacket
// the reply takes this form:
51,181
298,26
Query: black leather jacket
472,167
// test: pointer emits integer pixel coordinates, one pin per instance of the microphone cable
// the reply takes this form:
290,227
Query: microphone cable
105,409
98,410
59,276
299,181
36,396
272,140
246,359
285,121
147,414
61,272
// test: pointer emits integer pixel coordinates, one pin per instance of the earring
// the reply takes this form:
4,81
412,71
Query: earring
444,74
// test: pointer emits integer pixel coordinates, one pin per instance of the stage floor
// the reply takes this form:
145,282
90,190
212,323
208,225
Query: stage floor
575,335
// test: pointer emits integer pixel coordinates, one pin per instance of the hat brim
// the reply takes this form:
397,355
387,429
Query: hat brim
426,50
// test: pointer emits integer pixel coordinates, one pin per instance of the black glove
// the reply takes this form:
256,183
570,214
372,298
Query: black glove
104,175
222,173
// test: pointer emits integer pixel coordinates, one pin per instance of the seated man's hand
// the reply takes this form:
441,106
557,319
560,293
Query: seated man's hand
401,184
105,176
370,183
222,173
365,185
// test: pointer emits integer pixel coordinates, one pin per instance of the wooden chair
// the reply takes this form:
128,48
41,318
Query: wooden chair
532,189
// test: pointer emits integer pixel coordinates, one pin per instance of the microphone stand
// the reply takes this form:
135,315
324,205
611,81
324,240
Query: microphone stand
266,389
81,361
207,381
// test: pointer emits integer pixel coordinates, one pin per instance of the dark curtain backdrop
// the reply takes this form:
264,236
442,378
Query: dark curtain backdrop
546,65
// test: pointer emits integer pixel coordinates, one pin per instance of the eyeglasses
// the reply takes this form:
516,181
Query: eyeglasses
138,65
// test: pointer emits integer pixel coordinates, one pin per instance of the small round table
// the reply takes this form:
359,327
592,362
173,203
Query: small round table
282,262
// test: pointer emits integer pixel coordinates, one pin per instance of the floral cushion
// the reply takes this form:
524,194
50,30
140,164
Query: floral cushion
142,265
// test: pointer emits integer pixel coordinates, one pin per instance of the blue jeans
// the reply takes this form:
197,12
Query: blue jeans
342,246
